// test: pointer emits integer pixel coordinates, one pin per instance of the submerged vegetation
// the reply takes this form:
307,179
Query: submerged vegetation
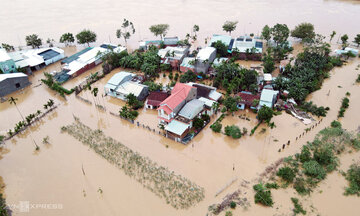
263,195
305,170
344,105
353,177
51,83
178,191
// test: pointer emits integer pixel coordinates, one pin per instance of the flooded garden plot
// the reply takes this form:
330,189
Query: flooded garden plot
178,191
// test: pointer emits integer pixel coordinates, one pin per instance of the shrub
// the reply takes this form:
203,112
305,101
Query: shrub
263,195
233,131
325,157
273,185
297,206
233,205
265,114
300,186
228,213
287,174
335,124
358,78
305,154
216,127
314,169
314,109
353,177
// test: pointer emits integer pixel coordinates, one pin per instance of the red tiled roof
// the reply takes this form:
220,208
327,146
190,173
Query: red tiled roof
247,98
178,94
155,98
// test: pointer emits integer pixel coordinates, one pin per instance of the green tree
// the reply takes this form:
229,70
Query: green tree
266,33
67,38
263,195
231,103
127,29
332,35
304,31
198,123
189,76
8,47
216,127
229,26
265,114
86,37
159,29
314,169
268,63
357,40
133,102
344,42
221,48
280,33
33,40
233,131
286,173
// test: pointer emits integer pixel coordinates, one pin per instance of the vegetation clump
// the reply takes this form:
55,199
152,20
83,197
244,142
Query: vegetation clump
353,177
344,105
287,174
51,83
177,191
263,195
297,206
313,109
233,131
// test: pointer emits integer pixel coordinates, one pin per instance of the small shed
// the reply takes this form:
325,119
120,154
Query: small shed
12,82
177,130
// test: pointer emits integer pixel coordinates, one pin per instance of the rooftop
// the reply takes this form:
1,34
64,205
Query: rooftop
4,55
204,54
192,109
176,127
11,75
155,98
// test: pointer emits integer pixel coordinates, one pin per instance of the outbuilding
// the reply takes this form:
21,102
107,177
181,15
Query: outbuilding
12,82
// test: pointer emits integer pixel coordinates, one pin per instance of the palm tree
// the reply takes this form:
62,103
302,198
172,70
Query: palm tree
13,101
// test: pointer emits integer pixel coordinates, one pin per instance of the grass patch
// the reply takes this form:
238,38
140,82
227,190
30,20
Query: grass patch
297,206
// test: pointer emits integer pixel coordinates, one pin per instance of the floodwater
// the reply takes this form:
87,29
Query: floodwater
50,19
54,174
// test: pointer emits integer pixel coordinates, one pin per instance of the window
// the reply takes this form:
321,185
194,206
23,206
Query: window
17,85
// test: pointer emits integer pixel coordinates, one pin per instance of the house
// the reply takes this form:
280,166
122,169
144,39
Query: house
191,110
206,91
35,59
225,39
247,47
12,82
173,55
155,98
187,64
123,83
247,100
204,58
86,59
7,64
180,95
144,45
268,98
177,130
246,44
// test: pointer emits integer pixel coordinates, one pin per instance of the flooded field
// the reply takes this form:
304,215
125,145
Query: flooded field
71,174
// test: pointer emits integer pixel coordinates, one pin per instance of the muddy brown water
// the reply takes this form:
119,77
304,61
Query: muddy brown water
54,175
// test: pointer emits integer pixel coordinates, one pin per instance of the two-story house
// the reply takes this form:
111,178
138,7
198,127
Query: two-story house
180,95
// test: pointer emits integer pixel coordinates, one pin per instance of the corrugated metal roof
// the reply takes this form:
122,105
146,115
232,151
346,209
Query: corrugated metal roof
131,88
192,109
207,102
119,78
214,95
176,127
185,62
223,38
11,75
75,56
